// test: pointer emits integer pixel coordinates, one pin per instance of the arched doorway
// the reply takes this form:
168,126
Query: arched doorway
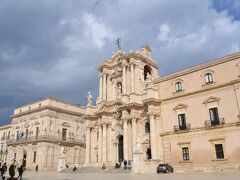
148,154
120,148
24,161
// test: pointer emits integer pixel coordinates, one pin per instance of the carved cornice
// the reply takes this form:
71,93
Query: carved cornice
211,99
152,101
109,64
180,106
47,107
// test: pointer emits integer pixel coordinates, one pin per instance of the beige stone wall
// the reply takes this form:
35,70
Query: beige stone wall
50,118
202,151
193,78
197,112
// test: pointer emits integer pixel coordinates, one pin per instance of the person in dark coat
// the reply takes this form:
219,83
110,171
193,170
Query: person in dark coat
36,168
2,169
125,164
74,168
20,172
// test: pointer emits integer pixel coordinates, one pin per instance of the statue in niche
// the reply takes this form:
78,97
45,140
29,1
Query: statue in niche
89,98
148,78
62,151
119,90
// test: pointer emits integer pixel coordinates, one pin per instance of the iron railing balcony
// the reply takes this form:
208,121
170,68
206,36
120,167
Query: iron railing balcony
182,127
46,138
211,123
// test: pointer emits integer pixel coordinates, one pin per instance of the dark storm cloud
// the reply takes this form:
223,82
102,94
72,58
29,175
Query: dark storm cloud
53,48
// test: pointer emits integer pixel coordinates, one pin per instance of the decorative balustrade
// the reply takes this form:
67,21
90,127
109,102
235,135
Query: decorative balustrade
185,127
46,138
210,123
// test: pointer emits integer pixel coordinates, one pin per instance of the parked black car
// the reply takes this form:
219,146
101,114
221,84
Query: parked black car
164,168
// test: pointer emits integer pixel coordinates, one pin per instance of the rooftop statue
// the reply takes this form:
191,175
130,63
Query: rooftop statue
89,99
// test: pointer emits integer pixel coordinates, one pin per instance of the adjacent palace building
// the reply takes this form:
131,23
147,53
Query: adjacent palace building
189,119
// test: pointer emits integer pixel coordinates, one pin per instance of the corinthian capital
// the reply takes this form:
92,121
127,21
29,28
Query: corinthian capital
132,61
124,63
151,114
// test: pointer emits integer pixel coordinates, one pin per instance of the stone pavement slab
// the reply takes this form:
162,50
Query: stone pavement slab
48,175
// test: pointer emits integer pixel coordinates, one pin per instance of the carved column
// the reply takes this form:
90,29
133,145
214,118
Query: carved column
152,134
100,144
124,84
113,91
134,133
104,144
100,88
132,76
108,87
114,151
104,86
88,136
117,152
125,139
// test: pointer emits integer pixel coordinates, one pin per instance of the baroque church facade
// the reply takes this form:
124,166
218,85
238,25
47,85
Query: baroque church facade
189,119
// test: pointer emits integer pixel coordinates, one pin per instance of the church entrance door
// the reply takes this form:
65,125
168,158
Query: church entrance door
120,148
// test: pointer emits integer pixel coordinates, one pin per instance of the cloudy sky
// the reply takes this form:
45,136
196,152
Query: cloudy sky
53,47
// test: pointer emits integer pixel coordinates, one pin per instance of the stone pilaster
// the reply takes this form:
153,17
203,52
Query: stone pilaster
104,87
134,133
100,143
132,75
100,87
125,139
104,144
88,142
124,82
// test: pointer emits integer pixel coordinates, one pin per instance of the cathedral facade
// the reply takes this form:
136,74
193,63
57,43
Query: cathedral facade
189,119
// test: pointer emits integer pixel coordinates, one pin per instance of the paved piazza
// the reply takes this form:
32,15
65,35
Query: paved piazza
178,176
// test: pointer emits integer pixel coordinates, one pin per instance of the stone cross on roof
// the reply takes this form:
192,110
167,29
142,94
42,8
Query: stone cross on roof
118,43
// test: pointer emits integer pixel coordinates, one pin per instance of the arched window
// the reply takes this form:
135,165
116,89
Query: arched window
147,69
208,78
178,86
147,127
148,153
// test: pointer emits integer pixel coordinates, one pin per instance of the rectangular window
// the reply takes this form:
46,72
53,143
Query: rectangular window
182,121
185,153
219,151
37,132
64,134
15,155
17,135
213,112
34,156
26,137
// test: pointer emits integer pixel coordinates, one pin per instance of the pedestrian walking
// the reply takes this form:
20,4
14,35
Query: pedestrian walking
20,172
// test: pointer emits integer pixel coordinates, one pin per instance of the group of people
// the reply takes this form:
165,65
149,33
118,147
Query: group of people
127,164
20,169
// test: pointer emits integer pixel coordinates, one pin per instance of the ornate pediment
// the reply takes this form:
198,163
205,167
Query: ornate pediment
180,106
146,141
65,124
211,99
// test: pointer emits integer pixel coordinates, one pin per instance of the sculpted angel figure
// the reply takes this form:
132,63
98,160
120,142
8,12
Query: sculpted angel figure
89,98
